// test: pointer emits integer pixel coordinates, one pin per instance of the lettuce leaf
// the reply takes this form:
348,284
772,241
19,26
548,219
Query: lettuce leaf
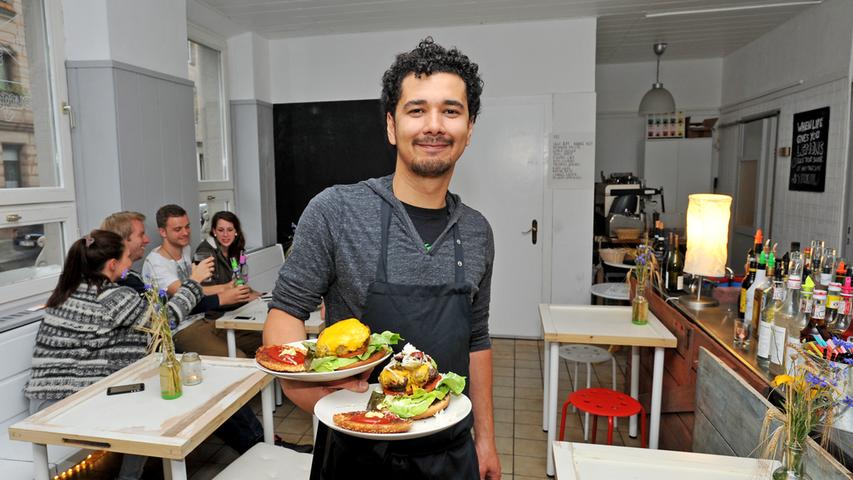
378,341
407,406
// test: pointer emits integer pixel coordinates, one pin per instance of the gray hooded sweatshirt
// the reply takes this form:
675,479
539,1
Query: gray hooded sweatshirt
336,251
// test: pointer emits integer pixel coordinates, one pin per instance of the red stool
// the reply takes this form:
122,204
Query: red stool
606,403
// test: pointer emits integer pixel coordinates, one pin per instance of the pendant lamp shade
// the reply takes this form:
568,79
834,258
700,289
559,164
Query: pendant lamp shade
658,99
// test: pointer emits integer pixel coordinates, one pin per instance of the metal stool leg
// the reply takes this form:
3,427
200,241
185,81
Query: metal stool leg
586,415
613,382
610,430
575,386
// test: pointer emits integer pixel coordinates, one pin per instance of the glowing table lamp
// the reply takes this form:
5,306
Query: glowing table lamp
707,242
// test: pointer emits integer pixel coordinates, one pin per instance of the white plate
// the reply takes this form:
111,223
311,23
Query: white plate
322,376
346,401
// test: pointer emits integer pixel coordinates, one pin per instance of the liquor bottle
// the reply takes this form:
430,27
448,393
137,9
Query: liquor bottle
659,246
759,279
675,268
786,330
807,263
817,322
833,301
745,286
827,267
844,325
753,252
786,259
664,273
762,309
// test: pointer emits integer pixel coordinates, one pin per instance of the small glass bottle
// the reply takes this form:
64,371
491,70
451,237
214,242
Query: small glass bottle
191,369
817,322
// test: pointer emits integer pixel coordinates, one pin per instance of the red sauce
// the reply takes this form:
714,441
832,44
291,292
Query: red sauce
277,352
384,419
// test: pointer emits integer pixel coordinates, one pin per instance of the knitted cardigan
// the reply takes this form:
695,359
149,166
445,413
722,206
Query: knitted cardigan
92,335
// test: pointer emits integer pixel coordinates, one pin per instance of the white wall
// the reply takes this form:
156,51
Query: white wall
150,34
248,67
515,59
696,86
814,47
554,57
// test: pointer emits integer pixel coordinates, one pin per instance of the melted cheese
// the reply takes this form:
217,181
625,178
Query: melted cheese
342,337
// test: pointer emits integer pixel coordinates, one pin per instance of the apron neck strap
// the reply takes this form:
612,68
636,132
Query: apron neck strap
382,264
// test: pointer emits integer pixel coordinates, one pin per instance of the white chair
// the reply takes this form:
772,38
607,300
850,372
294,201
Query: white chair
268,461
264,264
587,354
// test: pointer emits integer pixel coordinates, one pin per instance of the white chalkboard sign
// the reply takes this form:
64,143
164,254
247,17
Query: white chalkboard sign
808,156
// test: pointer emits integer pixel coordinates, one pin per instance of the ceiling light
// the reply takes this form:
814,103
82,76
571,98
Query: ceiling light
658,99
732,9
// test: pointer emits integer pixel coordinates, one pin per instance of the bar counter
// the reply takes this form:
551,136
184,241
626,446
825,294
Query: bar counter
712,329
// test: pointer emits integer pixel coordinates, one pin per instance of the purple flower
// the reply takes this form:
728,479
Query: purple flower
173,324
148,287
162,293
641,259
848,401
815,380
848,361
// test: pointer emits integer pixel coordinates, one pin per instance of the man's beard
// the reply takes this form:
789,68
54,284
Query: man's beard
432,167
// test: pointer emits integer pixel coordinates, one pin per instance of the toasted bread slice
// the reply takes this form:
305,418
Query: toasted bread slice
278,358
380,422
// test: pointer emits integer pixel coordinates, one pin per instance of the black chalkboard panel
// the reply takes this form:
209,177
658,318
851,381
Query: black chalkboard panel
808,155
320,144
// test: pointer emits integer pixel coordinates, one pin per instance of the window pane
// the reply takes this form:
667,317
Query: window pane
204,71
25,115
29,252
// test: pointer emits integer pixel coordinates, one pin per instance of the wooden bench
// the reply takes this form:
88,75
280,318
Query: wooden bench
728,418
268,461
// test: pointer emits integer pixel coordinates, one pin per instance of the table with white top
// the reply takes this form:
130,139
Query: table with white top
582,461
601,325
611,290
143,423
255,315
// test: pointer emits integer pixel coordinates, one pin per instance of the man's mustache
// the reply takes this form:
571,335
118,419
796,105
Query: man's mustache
434,140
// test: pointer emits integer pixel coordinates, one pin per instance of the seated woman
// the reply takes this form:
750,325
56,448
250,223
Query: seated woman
88,331
226,244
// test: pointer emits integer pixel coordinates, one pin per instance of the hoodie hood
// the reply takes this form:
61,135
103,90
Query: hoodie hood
382,186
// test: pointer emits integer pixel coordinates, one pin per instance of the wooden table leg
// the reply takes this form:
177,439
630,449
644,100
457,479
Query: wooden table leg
657,390
553,387
41,469
266,408
635,388
231,340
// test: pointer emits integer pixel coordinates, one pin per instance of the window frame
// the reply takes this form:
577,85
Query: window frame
35,205
207,38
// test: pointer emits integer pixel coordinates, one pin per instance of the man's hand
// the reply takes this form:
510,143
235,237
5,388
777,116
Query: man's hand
202,270
487,457
306,394
235,294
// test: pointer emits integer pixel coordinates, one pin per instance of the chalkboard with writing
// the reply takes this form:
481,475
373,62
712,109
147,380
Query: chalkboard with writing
808,156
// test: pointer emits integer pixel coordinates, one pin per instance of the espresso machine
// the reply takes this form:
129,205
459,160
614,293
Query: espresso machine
622,201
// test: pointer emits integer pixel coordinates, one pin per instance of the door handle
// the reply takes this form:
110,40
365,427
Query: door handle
534,227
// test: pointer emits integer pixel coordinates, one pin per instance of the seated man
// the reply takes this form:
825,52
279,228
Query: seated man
168,265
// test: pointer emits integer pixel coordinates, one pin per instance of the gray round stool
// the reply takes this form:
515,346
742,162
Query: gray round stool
587,354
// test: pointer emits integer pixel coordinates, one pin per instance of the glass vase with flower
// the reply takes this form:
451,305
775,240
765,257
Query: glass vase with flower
159,330
813,393
639,277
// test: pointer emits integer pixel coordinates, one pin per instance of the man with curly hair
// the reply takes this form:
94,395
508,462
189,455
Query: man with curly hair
403,254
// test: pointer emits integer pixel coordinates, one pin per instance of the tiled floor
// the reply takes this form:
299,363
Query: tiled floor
518,415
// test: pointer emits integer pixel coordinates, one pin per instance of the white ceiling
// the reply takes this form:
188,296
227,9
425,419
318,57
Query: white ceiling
624,34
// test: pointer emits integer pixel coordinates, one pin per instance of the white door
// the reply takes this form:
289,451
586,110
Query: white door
502,174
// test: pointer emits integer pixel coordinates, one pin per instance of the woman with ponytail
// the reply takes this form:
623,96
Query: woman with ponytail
89,327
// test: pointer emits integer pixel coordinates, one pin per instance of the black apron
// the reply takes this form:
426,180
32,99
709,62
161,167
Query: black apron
437,320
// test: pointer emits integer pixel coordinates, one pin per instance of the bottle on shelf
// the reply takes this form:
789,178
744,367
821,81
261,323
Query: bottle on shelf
844,325
753,252
817,321
833,301
762,309
827,267
758,281
786,329
675,268
659,245
745,286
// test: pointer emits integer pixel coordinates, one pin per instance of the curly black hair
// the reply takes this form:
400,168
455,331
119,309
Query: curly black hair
428,58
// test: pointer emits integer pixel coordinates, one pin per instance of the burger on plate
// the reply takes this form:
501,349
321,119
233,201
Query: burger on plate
413,386
343,345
